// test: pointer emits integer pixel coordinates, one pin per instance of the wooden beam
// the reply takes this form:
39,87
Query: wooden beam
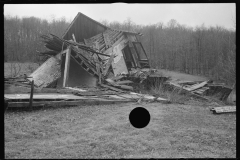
112,88
96,101
74,38
106,40
62,52
108,65
31,94
66,69
124,82
99,73
224,109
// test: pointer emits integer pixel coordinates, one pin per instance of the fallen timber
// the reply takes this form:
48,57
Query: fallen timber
203,90
54,99
89,57
224,109
84,59
58,44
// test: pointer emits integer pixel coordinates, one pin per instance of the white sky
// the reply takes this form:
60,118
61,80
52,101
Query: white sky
211,14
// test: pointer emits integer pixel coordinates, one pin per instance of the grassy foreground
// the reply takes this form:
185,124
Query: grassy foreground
104,131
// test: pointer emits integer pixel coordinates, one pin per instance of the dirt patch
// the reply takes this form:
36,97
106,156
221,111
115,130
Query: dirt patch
104,131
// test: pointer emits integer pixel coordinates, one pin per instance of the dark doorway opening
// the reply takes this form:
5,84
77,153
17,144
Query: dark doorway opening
128,57
142,56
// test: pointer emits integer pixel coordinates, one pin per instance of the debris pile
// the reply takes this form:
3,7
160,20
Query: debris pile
113,62
203,89
88,57
95,62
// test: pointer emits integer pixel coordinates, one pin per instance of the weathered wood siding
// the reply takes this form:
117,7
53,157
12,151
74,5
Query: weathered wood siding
132,38
47,73
118,64
83,27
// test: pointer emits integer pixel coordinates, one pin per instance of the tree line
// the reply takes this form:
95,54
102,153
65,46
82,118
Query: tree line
208,51
21,36
200,50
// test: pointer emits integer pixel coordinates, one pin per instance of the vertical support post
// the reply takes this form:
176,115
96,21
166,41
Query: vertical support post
74,39
67,65
31,94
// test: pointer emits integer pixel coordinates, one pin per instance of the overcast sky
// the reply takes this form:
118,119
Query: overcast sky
211,14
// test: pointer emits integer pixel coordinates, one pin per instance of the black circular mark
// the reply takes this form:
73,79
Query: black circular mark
139,117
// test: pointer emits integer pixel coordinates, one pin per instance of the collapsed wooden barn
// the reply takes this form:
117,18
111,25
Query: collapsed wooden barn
95,38
90,54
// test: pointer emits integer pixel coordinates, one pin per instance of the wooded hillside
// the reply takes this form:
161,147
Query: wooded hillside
200,50
21,37
204,51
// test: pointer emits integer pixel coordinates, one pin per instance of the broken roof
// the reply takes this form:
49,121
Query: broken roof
94,25
75,19
130,32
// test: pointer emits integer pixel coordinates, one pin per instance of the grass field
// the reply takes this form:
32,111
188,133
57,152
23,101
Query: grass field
104,131
187,130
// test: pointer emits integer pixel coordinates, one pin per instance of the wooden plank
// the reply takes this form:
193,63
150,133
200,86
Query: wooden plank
112,88
126,87
216,84
114,96
116,37
130,96
110,81
191,93
107,40
196,86
31,94
69,103
117,78
200,90
188,82
76,89
74,38
109,62
12,89
109,50
49,96
90,50
96,93
99,73
67,66
225,109
124,82
119,64
47,73
150,97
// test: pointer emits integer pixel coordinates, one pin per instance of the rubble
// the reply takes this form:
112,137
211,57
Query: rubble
111,63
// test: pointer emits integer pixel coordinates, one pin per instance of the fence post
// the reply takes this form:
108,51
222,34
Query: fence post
31,94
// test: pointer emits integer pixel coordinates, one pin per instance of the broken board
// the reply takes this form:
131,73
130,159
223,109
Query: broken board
47,73
22,100
225,109
118,64
49,96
